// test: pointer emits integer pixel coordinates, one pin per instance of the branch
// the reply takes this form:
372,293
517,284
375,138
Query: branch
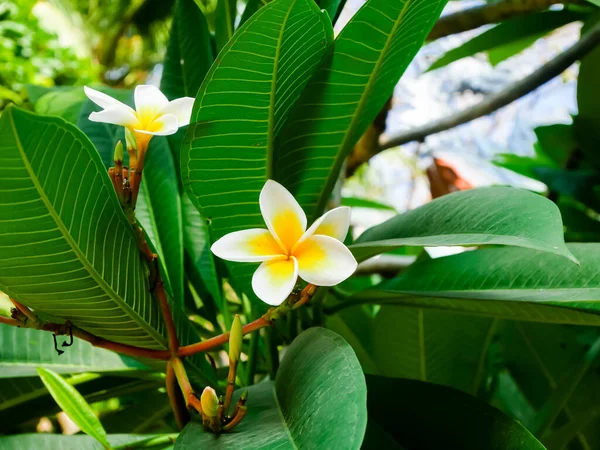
66,328
293,302
496,101
472,18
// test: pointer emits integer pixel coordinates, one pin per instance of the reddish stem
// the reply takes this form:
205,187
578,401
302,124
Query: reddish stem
166,313
189,350
9,321
121,348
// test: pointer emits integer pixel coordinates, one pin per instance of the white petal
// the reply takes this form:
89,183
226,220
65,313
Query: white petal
180,108
149,100
118,115
255,245
324,261
334,223
161,126
282,213
103,100
274,280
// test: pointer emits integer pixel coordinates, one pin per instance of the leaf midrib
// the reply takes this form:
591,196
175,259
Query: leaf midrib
74,246
271,130
333,176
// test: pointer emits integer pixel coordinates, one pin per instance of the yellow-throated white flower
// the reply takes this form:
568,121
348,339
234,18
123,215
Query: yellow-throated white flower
287,249
154,114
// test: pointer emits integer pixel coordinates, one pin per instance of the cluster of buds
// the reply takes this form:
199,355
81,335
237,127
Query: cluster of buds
215,409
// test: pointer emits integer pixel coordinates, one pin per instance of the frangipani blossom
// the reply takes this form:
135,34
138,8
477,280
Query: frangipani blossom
154,114
287,249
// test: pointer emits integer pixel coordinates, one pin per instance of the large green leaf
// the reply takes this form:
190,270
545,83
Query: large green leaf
351,86
493,215
22,350
426,416
420,344
74,405
243,102
62,442
549,366
66,247
508,283
513,34
189,53
317,401
159,212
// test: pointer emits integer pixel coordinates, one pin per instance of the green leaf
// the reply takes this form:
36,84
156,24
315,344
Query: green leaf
26,398
251,7
356,202
420,344
356,78
65,103
58,441
32,348
431,417
331,7
197,245
66,247
509,283
317,401
74,405
228,150
510,36
189,52
64,231
224,22
493,215
159,212
548,364
587,121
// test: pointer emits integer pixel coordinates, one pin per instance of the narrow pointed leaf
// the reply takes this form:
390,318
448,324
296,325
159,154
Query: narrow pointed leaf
74,405
494,215
319,382
197,245
251,7
243,102
349,89
224,22
189,52
159,212
510,34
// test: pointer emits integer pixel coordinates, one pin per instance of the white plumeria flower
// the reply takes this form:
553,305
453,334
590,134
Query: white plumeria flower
154,114
287,249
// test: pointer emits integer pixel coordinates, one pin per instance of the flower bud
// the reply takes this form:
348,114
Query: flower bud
130,140
235,340
209,401
119,153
